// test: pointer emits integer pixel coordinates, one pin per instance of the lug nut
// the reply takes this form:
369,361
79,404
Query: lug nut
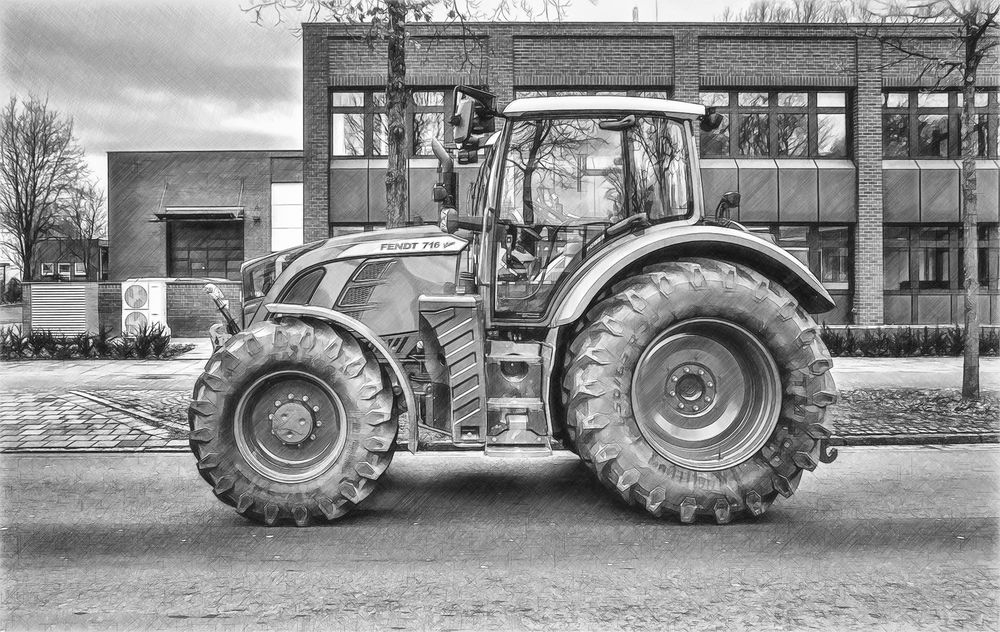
270,416
700,372
687,369
315,409
312,437
302,422
318,423
277,403
695,409
681,406
709,385
290,396
674,378
305,398
708,399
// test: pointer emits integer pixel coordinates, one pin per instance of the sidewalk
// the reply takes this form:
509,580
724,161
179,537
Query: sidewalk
135,405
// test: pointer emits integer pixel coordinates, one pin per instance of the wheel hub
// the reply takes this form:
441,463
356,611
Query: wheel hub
292,421
706,394
691,388
289,426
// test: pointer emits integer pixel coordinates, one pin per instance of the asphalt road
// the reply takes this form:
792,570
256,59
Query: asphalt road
884,538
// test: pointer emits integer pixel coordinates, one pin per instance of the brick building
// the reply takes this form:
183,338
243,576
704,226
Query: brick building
845,156
834,148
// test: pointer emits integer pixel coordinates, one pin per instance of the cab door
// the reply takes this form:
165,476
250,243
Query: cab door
563,181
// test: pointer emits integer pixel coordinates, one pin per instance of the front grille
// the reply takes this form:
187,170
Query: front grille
372,270
356,296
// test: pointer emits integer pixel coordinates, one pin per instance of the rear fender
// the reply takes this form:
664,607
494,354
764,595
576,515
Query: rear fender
665,243
362,332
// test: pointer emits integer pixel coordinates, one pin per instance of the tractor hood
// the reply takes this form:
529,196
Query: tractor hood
414,240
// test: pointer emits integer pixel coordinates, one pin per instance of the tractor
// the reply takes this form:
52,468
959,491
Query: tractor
582,299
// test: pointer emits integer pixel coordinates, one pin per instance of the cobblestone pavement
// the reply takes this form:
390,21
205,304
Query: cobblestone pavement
80,421
137,420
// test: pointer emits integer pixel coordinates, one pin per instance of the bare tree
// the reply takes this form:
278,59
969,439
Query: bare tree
386,21
83,220
797,11
40,162
971,26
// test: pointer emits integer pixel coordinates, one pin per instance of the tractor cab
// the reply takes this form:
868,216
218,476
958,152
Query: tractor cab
560,179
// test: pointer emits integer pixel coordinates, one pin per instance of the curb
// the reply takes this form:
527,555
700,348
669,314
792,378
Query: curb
915,439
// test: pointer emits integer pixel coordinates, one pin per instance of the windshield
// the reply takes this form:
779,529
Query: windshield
562,171
569,171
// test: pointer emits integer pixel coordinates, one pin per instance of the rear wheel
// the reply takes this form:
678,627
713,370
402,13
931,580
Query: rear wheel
700,388
292,421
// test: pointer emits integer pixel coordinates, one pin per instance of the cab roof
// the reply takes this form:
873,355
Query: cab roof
548,105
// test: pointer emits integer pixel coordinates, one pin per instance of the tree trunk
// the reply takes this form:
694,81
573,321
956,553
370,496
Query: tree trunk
395,95
970,259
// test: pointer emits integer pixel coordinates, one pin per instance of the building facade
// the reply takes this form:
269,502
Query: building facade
844,152
200,214
62,259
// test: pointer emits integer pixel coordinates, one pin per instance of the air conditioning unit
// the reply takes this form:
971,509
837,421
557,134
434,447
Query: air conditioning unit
144,303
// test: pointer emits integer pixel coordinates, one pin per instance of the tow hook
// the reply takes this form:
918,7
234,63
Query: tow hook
827,454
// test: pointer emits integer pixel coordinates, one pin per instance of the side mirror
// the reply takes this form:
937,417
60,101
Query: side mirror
450,221
473,115
711,120
730,200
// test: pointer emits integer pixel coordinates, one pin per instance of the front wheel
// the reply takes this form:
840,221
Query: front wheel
700,388
292,420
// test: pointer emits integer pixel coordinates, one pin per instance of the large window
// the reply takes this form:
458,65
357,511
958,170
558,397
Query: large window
923,272
929,124
359,125
930,258
825,249
286,215
773,124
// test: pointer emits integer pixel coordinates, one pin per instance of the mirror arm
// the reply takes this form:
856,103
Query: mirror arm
470,222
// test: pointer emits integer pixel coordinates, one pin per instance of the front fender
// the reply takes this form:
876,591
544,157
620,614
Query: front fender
663,243
363,332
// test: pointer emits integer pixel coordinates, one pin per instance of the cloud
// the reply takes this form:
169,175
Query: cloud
154,76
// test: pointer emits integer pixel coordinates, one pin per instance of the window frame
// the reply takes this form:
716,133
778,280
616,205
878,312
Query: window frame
48,269
735,112
814,243
373,106
953,113
69,270
79,269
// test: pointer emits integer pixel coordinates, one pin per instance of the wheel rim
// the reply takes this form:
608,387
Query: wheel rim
706,394
289,426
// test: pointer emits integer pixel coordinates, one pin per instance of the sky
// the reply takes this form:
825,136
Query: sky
138,75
